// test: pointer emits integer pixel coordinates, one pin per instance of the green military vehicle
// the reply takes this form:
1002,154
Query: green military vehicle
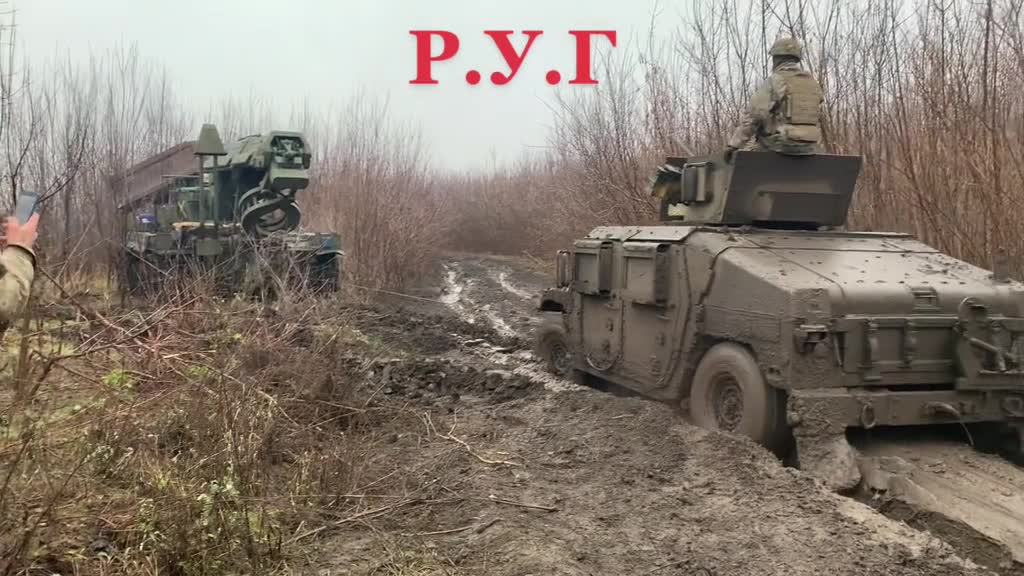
231,217
753,309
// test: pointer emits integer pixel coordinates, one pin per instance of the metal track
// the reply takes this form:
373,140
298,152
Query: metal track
263,212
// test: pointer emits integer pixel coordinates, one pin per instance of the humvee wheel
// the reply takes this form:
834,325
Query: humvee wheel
553,349
730,394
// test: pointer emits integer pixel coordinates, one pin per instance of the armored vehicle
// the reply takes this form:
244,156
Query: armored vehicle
750,306
233,216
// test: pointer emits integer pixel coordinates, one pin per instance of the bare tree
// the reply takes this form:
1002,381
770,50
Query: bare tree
931,94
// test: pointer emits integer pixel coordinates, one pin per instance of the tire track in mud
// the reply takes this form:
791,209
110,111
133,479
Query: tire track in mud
502,279
971,500
458,296
478,291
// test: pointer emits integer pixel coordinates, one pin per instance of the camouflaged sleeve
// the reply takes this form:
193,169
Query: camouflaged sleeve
761,105
16,272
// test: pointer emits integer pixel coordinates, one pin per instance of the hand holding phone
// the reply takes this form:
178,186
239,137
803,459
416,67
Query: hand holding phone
21,228
27,204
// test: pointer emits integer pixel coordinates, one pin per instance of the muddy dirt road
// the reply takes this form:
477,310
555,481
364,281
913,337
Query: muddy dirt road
510,471
939,483
500,293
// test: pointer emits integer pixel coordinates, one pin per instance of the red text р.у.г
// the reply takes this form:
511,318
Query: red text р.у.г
513,59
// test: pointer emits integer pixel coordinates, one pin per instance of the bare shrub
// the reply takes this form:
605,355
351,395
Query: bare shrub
373,185
501,212
930,94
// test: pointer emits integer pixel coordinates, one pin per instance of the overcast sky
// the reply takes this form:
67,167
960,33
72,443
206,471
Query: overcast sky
325,50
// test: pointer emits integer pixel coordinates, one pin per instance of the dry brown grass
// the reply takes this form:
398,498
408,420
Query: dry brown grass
195,437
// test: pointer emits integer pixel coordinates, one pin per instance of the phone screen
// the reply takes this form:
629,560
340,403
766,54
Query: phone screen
26,206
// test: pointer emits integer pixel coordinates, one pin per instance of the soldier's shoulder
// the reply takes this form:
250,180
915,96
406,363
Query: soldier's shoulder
17,260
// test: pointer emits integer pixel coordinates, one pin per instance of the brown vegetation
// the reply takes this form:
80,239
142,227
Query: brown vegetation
374,186
929,93
198,437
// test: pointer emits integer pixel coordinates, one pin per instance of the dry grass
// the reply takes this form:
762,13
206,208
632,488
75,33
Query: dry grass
197,437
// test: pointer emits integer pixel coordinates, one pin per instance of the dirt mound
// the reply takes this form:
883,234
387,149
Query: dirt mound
418,332
585,483
443,381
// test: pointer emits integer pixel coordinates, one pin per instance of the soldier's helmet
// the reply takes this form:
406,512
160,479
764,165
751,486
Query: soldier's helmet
787,46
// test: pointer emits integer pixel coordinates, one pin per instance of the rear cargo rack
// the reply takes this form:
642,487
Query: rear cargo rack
973,351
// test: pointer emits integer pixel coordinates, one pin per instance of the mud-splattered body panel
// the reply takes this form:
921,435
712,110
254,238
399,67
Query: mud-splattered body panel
841,316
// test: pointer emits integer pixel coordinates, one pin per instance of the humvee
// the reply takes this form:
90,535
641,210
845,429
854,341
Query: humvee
752,307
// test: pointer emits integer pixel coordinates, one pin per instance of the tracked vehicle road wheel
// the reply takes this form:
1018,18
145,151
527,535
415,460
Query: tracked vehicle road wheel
730,394
130,275
552,347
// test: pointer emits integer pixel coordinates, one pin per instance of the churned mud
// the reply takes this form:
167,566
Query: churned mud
586,483
515,472
941,485
495,293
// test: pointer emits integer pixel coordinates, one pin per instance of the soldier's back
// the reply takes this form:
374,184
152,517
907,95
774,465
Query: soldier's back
796,117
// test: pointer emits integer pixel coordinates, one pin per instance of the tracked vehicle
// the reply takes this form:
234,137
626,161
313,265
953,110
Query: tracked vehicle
226,213
750,306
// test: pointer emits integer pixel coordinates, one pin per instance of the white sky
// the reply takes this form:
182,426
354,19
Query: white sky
326,50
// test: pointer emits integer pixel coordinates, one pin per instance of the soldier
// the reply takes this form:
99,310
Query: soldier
17,266
784,112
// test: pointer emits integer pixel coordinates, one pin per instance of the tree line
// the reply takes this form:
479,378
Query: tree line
929,92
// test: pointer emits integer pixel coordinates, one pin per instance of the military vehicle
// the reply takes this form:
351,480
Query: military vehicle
233,216
754,309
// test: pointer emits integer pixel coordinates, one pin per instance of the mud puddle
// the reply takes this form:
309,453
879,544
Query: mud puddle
492,293
497,295
447,383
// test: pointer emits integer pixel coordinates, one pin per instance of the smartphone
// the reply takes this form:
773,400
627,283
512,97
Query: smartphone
27,203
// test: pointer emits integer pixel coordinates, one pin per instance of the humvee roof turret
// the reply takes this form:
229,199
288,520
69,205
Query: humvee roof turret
761,189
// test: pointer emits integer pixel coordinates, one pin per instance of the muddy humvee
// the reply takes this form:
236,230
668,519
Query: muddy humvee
753,309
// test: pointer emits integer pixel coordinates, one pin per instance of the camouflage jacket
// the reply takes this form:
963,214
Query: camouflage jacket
768,122
17,268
